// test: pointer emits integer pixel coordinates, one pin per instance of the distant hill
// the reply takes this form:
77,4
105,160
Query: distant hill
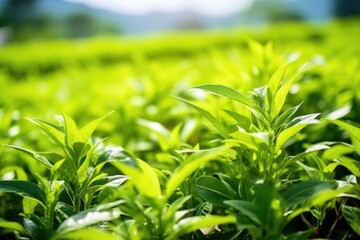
149,23
309,10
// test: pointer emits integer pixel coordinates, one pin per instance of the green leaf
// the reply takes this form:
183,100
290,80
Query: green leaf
285,116
86,131
246,209
352,217
82,172
289,132
23,188
242,121
281,94
352,165
217,124
51,130
32,154
71,131
88,234
275,80
29,205
13,226
190,224
100,214
191,164
172,211
305,192
255,141
353,131
143,177
227,92
212,190
304,235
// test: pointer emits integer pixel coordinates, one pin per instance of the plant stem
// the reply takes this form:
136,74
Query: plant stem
338,217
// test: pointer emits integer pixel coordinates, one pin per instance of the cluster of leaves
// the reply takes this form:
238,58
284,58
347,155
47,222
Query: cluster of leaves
245,185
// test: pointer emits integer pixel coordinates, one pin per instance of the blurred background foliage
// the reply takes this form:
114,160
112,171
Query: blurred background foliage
86,62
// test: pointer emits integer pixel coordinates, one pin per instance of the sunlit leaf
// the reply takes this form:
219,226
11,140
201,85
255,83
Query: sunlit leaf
100,214
294,127
190,224
353,131
13,226
32,154
88,234
217,124
352,217
228,92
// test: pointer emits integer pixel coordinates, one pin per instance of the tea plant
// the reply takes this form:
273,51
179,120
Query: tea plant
153,205
259,138
75,179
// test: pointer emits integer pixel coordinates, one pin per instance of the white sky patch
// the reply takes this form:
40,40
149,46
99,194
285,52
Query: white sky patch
139,7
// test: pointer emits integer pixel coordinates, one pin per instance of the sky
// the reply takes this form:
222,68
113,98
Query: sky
139,7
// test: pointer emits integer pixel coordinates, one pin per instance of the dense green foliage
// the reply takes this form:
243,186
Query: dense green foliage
224,135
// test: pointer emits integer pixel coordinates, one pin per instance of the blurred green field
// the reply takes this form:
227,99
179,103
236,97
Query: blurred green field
137,77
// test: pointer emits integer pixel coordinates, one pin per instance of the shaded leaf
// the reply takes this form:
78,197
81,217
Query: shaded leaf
246,209
304,192
212,190
23,188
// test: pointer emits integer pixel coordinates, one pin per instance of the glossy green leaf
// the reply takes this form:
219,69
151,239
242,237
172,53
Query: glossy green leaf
100,214
212,190
23,188
304,192
247,209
